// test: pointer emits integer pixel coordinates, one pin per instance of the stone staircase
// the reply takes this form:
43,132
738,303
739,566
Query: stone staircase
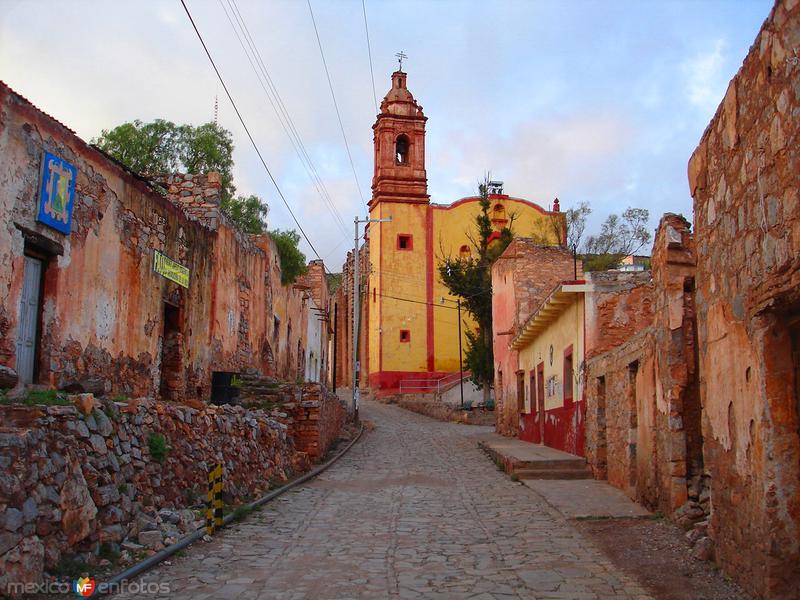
533,461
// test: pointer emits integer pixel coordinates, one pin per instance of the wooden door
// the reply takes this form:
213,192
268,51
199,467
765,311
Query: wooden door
28,324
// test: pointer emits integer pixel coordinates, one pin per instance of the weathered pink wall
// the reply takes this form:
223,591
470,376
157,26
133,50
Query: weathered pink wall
745,180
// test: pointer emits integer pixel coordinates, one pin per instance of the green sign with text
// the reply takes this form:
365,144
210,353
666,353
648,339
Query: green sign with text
165,266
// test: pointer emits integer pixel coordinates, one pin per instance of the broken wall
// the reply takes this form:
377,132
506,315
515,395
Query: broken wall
745,181
642,403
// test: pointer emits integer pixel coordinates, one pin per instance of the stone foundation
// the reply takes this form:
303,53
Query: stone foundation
75,477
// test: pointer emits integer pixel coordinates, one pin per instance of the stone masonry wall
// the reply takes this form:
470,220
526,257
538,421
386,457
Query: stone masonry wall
642,403
620,307
103,316
75,477
745,180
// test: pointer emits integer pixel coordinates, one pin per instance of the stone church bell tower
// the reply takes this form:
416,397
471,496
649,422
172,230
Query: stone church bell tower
399,140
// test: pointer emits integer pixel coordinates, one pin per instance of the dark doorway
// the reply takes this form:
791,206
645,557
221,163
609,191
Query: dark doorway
521,392
633,416
602,429
222,389
172,384
540,399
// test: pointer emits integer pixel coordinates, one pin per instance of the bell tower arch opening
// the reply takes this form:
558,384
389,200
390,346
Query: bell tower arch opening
401,149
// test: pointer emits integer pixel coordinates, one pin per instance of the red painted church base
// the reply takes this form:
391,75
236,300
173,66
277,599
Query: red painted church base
386,383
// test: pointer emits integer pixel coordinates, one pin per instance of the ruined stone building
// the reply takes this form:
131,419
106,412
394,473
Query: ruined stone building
745,181
111,285
643,411
692,369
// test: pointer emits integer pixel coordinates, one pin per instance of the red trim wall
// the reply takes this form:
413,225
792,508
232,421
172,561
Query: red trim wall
388,382
429,284
564,428
497,197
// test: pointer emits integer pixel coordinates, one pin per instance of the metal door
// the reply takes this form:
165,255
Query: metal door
28,323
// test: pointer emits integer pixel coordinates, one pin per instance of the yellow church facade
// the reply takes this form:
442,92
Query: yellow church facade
412,336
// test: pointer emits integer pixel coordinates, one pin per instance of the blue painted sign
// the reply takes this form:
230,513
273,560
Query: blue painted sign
57,193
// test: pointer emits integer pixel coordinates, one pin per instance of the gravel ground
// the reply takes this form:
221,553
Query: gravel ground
655,552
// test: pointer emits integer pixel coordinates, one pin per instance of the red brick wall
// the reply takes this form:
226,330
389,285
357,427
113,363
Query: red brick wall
745,180
317,420
621,306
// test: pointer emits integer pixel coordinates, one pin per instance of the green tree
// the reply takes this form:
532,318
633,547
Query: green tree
293,261
205,148
470,279
619,236
147,148
162,147
249,213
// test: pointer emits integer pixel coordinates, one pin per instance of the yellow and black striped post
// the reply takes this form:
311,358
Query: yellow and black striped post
214,510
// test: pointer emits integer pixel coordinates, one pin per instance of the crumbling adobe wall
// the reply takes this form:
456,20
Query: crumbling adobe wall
745,180
620,306
103,304
522,278
642,403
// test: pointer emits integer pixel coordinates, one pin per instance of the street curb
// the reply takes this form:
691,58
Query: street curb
161,555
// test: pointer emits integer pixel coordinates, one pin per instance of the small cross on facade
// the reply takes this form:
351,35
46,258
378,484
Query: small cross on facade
400,56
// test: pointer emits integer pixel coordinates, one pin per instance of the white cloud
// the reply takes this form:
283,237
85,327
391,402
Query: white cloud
705,80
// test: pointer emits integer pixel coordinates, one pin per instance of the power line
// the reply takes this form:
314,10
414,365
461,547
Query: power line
369,52
335,104
434,304
252,141
284,118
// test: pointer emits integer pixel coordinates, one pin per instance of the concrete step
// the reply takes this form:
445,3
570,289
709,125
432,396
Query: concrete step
583,473
554,464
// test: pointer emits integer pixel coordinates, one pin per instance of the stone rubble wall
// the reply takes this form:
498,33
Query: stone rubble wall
643,414
744,177
75,477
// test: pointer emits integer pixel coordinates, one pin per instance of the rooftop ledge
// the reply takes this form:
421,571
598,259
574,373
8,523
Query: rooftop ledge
562,296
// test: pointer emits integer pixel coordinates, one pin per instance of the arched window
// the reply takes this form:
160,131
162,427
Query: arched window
464,252
499,212
401,150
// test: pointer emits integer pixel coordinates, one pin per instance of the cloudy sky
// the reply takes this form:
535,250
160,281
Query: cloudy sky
600,102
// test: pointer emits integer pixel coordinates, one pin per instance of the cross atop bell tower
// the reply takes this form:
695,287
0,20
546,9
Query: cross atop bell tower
400,56
399,138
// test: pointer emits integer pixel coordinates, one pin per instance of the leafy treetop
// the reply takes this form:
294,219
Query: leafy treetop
293,261
162,147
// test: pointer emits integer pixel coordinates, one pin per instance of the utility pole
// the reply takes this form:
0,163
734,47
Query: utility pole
335,340
460,354
460,359
356,310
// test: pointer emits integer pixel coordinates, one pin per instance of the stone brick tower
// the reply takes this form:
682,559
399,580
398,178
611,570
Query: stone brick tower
399,140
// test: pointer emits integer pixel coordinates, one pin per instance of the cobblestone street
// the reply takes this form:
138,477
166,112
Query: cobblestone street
415,510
